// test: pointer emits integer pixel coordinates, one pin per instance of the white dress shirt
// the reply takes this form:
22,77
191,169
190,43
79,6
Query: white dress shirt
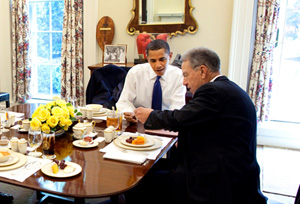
138,88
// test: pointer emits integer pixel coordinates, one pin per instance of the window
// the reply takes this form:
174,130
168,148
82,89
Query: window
285,101
46,24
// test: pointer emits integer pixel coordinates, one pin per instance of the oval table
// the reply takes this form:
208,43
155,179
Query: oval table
99,177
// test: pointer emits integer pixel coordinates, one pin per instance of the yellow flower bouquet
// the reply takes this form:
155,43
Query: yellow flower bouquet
53,116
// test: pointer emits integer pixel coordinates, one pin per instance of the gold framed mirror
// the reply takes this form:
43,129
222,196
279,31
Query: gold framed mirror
171,22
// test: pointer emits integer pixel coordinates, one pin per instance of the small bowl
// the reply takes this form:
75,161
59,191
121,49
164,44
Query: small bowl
4,158
95,107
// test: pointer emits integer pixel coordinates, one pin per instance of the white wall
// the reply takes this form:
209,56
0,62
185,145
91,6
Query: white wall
5,48
214,19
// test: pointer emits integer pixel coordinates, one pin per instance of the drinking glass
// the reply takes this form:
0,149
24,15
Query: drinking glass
48,145
112,119
119,129
35,140
4,120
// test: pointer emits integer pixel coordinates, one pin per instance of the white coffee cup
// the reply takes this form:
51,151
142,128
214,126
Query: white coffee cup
14,144
109,134
26,124
83,111
22,145
89,113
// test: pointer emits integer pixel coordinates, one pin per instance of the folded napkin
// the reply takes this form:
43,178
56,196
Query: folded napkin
99,139
22,173
122,156
148,154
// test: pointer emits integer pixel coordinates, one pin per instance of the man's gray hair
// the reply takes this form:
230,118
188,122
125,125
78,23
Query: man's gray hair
202,56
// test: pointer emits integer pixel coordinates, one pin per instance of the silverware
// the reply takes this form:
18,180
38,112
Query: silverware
26,167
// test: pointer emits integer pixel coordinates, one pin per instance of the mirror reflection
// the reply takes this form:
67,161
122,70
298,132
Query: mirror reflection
161,12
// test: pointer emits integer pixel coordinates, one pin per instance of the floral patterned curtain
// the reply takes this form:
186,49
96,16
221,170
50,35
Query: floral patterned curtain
260,85
20,50
72,51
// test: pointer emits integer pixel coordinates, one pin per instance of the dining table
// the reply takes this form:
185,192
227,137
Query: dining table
100,177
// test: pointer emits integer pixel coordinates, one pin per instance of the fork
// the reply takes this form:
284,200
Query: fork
27,166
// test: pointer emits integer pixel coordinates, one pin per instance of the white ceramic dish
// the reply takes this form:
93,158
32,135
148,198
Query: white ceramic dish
155,146
21,162
12,160
77,143
47,170
148,141
95,107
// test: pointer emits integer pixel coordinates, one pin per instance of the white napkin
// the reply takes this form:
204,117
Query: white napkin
121,156
150,154
99,139
23,173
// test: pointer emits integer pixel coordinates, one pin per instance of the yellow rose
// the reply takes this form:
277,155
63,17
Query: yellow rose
52,121
50,104
56,111
45,128
69,122
61,103
40,107
62,121
43,114
65,113
66,128
35,124
71,110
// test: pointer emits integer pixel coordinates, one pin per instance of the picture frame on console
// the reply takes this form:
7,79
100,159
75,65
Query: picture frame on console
115,54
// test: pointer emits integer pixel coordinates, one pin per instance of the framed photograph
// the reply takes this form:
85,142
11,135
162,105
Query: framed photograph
114,54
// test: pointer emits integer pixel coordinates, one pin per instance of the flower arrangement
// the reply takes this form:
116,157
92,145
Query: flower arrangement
53,116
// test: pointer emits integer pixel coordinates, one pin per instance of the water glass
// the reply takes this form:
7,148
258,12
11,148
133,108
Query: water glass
48,145
35,140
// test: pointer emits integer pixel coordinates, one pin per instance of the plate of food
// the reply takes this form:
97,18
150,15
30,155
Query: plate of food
87,142
157,144
12,160
61,169
137,141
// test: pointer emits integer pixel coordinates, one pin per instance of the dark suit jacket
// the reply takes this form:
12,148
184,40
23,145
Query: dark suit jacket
217,144
105,85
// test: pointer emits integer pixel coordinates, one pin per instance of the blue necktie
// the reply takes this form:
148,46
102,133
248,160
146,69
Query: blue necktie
157,95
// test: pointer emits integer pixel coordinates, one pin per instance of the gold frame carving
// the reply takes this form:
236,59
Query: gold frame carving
189,25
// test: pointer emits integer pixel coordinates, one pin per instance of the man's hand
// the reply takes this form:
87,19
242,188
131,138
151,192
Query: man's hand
130,117
142,114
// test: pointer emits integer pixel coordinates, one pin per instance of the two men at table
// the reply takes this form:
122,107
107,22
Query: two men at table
140,80
216,141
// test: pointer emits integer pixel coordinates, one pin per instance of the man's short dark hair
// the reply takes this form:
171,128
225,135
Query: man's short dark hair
157,45
203,56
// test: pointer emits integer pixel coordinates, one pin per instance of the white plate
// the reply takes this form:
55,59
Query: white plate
92,134
148,141
22,130
76,143
21,162
155,146
12,160
47,170
103,111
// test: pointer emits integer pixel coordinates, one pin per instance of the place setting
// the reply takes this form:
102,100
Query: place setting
135,147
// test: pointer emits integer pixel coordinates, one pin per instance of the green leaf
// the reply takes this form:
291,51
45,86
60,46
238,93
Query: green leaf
73,118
